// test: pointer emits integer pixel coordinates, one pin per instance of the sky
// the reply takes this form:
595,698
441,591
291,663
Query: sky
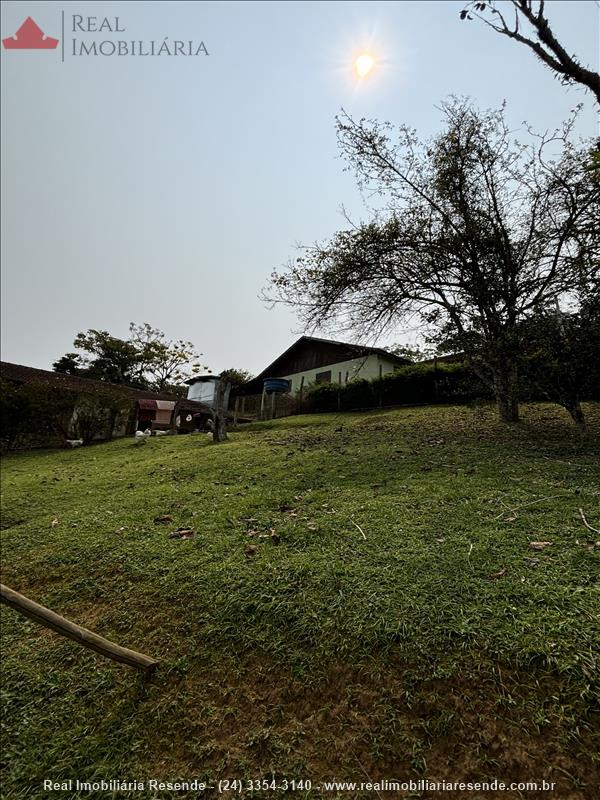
165,189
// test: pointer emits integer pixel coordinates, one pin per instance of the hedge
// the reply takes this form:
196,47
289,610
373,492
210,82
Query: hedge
413,384
39,415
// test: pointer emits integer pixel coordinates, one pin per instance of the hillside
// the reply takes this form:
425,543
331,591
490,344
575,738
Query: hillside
360,598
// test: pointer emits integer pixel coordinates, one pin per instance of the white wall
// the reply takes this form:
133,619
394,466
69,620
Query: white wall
343,371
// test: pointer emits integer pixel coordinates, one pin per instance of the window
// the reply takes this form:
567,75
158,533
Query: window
323,377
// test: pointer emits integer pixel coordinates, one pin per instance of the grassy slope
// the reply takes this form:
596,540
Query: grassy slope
330,654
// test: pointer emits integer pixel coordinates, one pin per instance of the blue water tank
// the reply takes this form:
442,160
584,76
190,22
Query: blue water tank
276,385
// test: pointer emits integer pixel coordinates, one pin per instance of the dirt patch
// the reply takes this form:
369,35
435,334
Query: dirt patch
383,721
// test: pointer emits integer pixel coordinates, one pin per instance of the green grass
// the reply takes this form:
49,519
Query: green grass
373,639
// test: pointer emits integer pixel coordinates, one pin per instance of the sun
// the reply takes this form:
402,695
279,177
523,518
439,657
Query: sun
364,64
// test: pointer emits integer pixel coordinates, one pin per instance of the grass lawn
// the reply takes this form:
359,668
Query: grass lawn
397,625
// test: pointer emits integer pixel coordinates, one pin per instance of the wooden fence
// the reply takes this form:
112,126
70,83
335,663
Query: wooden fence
265,406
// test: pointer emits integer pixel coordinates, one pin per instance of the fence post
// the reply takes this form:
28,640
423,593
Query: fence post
262,404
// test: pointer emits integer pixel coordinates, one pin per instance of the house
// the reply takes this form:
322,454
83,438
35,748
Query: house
142,408
312,360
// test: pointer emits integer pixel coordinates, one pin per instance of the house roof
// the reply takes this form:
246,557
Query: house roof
452,358
324,351
18,373
202,379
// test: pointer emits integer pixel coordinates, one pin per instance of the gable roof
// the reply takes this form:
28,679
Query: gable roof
345,352
323,352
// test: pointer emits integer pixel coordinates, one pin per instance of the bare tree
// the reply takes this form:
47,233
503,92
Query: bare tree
529,16
477,232
164,363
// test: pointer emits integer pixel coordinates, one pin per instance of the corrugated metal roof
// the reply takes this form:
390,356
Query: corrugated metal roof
18,373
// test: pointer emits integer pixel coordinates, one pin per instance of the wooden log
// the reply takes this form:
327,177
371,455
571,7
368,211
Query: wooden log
80,635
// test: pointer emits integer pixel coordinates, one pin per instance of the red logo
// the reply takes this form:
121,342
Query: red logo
30,37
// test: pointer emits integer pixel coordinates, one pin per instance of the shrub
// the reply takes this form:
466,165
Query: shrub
412,384
322,397
95,415
39,415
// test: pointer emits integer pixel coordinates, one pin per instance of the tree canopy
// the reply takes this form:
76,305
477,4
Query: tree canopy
563,356
236,377
475,232
147,359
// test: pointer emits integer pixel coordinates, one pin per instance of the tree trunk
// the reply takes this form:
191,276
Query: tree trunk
576,412
220,412
505,389
220,428
508,409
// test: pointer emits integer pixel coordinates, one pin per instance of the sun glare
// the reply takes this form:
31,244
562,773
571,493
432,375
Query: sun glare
364,64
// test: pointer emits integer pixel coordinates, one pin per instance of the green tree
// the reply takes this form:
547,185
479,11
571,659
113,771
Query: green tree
236,377
474,234
69,364
563,363
147,359
108,358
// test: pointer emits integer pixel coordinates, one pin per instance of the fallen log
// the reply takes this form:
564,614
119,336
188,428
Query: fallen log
80,635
